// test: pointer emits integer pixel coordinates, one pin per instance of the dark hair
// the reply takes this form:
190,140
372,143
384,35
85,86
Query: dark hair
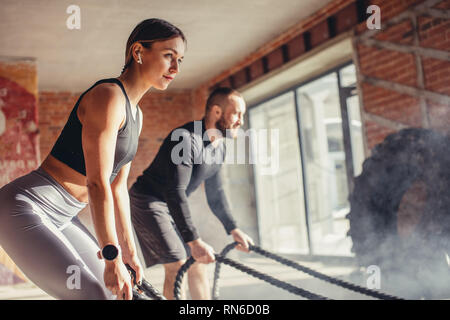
218,96
148,31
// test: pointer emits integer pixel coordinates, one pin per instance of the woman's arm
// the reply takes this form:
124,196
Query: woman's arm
122,211
123,220
101,116
121,197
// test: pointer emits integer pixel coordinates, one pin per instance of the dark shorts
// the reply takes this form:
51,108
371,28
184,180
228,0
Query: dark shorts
156,231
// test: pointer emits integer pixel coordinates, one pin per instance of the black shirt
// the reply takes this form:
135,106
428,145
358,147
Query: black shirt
186,159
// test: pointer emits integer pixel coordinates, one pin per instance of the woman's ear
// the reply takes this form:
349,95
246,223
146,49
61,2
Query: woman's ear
137,50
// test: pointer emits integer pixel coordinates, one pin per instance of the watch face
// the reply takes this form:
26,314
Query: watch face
110,252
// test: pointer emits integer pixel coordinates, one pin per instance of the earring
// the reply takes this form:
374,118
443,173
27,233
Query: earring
139,58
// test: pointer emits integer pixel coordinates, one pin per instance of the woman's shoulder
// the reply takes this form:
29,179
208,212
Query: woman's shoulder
105,95
102,101
107,91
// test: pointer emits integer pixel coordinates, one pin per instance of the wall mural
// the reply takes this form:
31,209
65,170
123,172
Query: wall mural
18,131
19,143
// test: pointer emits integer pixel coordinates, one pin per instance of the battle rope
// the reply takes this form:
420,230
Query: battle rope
295,265
152,294
145,287
250,271
224,252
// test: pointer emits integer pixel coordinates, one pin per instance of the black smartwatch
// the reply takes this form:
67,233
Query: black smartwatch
109,252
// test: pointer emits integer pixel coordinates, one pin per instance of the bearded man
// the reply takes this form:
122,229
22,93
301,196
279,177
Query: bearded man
160,213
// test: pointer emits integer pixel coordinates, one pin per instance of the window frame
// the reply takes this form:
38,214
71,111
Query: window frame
344,93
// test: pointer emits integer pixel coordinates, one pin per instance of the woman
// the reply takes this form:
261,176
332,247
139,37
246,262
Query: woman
90,163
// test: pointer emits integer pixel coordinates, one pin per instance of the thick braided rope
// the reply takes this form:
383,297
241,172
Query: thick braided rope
273,281
150,291
145,287
179,278
138,295
321,276
223,253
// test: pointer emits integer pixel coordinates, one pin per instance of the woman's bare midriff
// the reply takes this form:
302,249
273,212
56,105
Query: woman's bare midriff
71,180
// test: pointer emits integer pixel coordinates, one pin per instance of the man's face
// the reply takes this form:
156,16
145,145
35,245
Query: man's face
232,117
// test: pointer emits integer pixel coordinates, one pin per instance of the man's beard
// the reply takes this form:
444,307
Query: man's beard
221,125
225,129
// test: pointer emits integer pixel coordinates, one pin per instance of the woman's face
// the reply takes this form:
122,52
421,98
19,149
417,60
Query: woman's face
161,63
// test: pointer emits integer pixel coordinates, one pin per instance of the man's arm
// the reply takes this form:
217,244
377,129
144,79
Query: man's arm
218,203
179,177
177,200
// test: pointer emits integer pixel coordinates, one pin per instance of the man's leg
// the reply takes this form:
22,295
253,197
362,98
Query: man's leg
158,237
199,282
171,270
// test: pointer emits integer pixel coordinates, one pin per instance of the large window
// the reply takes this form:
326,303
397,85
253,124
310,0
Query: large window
302,207
281,209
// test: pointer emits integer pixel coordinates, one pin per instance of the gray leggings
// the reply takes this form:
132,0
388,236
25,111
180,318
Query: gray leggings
39,230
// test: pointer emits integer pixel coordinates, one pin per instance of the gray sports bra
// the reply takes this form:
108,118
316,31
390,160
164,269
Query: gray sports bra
68,148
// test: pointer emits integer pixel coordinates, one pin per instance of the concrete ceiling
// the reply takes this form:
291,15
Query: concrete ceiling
220,33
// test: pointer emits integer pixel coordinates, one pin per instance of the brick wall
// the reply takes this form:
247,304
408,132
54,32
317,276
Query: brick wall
54,109
402,68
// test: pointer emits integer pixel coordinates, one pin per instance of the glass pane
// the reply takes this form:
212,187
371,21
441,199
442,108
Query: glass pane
281,209
348,75
325,168
356,134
